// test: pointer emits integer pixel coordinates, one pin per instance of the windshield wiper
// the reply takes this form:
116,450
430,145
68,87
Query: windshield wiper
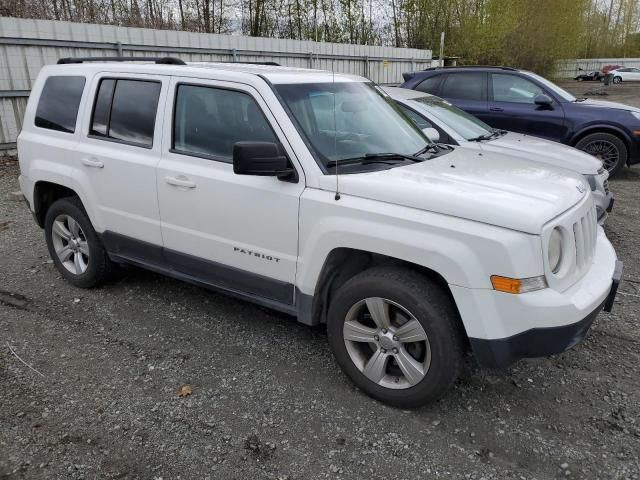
488,136
375,158
430,147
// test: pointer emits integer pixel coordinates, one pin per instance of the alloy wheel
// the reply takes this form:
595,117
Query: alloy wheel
606,151
70,244
387,343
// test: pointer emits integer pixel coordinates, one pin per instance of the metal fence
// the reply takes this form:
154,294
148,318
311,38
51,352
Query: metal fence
26,45
571,68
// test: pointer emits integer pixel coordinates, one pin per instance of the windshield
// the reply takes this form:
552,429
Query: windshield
461,122
561,92
344,120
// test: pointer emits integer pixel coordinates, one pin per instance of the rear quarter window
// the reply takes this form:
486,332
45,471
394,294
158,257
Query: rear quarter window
430,85
464,86
59,102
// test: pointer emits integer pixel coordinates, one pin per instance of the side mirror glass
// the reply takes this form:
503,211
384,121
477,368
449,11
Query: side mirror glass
543,100
432,134
265,159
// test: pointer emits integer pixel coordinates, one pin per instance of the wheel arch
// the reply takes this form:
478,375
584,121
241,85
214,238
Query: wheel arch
611,129
344,263
44,194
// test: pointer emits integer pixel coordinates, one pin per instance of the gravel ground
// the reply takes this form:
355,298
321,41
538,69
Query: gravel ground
268,401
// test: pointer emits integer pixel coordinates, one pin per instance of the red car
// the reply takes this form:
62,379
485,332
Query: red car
607,68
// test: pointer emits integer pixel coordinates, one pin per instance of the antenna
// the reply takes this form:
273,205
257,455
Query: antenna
335,131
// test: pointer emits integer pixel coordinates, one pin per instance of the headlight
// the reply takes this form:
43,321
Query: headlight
592,181
635,114
555,250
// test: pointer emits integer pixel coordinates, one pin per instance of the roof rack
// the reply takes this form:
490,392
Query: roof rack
472,66
269,64
160,60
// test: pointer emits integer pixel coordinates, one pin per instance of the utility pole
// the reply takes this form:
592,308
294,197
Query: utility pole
441,49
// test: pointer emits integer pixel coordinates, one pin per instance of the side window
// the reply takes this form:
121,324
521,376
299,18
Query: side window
418,120
511,88
59,102
464,86
125,110
430,85
208,121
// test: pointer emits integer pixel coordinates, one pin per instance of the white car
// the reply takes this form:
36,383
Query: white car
307,192
625,74
446,123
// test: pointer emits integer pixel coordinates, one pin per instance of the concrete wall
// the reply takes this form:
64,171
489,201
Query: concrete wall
26,45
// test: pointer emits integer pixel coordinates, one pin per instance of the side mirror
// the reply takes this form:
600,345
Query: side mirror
265,159
432,134
543,100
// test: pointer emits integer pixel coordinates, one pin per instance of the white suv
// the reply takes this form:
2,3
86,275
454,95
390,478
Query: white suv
309,192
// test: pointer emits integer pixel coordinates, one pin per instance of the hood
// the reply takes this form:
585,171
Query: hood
545,151
482,186
590,102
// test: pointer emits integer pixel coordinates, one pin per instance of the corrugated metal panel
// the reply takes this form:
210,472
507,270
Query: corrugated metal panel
571,68
26,45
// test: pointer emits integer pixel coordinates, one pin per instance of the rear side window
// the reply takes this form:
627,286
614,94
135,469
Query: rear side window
208,121
125,110
464,86
430,85
59,102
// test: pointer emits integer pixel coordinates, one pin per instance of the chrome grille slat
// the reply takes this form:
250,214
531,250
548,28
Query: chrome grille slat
588,237
580,227
579,242
584,236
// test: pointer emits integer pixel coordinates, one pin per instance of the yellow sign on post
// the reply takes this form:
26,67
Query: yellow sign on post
385,63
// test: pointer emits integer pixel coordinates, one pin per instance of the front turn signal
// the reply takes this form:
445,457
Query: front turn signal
518,285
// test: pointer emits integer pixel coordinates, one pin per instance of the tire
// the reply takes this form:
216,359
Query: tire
580,79
617,79
83,261
410,297
609,148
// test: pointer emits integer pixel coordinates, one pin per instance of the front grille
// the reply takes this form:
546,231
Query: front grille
585,231
605,184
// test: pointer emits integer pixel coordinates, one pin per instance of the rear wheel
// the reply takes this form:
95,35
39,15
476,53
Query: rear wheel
396,334
74,246
617,79
610,149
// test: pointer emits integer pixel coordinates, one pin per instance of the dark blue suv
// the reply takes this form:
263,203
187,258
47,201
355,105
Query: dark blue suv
521,101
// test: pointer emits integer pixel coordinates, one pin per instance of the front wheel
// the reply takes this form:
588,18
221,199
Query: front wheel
608,148
397,335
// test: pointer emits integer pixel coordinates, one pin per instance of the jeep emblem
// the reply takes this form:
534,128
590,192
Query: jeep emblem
580,188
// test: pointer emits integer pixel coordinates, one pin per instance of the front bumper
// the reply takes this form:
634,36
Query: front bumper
537,342
503,328
604,208
602,197
541,342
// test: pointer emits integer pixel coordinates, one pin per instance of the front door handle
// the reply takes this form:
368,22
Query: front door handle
180,181
92,162
496,109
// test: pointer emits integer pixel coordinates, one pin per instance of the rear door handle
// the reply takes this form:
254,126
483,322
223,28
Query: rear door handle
92,162
496,109
180,181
